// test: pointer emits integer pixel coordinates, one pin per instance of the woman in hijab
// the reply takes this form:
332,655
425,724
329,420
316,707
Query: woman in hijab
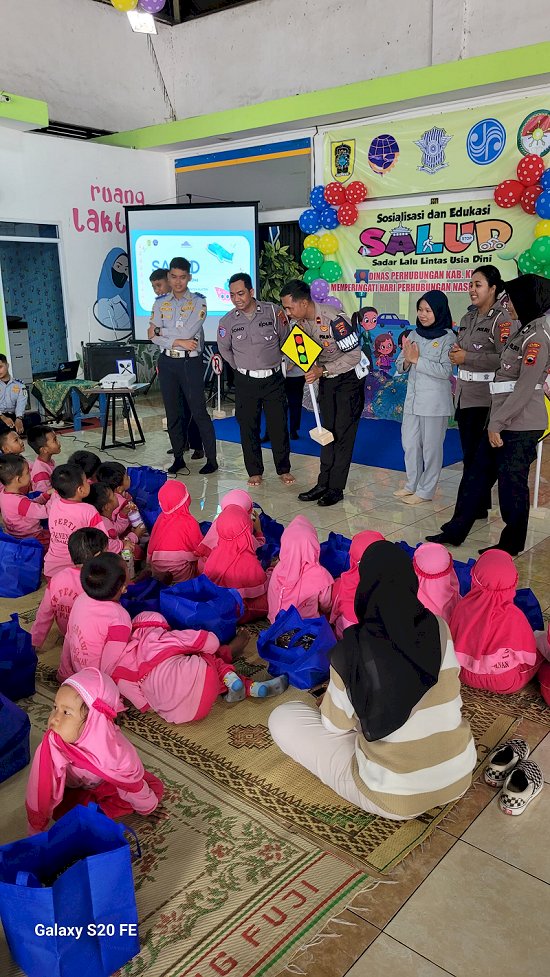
390,736
429,402
342,614
233,562
298,578
517,421
438,587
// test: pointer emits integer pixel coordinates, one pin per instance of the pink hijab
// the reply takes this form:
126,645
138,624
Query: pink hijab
153,642
102,750
233,563
175,530
299,578
235,497
438,587
343,604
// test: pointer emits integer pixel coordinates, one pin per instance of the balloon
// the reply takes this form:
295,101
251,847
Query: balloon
309,221
312,241
348,214
529,198
336,303
530,169
328,218
317,197
320,290
542,228
527,264
356,192
310,275
334,194
545,180
152,6
542,204
540,250
124,5
331,271
328,243
508,193
312,258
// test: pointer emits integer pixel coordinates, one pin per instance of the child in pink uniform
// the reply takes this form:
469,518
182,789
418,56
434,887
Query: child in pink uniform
494,642
233,563
44,441
20,514
175,536
438,587
69,512
65,587
87,461
298,578
98,627
114,474
107,504
84,757
343,593
235,497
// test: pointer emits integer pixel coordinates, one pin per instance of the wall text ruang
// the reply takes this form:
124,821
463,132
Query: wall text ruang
97,221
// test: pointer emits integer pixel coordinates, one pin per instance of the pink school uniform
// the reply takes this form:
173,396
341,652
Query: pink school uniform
41,474
438,587
96,637
298,578
57,604
234,497
175,535
64,518
233,563
22,517
343,614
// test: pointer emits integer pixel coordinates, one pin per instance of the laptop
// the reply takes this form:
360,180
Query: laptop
67,371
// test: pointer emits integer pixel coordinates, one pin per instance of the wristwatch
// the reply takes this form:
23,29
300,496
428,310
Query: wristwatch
324,373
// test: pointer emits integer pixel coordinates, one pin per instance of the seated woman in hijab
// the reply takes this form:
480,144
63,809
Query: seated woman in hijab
390,736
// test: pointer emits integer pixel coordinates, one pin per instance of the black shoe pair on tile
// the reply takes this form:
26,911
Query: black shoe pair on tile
322,496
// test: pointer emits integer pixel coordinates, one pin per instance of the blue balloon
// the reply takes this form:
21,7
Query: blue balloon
317,198
309,221
329,218
544,181
542,204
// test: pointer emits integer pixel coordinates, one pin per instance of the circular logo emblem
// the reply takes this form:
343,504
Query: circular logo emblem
534,133
485,141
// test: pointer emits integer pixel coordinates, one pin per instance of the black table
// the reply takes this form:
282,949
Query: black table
126,395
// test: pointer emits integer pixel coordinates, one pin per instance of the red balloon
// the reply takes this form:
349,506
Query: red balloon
530,169
356,192
508,193
335,194
529,198
348,214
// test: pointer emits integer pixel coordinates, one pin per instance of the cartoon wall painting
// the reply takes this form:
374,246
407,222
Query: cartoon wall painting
384,352
381,335
111,308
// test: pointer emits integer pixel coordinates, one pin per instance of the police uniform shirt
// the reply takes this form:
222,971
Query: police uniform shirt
253,342
525,360
179,319
482,337
320,328
13,397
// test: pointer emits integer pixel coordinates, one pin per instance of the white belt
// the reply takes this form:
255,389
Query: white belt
506,386
180,353
259,374
468,376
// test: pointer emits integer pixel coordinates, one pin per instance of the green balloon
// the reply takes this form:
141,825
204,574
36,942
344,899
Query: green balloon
527,264
540,250
312,257
310,275
331,271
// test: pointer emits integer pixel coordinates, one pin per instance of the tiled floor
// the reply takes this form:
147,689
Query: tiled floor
476,899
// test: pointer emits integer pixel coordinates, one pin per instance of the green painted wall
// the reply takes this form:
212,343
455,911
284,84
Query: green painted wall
29,110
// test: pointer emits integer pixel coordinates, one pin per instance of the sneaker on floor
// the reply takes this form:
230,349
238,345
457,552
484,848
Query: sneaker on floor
413,499
503,759
520,788
402,492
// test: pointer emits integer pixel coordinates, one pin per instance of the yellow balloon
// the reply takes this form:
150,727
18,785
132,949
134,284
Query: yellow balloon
328,243
542,228
124,5
311,241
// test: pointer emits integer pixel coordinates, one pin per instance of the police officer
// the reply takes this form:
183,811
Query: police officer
341,387
250,340
177,328
13,398
517,421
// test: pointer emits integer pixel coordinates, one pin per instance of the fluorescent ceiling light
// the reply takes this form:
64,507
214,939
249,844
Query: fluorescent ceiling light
142,23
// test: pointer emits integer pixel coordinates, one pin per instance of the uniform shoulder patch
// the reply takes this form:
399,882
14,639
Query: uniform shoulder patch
202,314
222,331
531,354
504,330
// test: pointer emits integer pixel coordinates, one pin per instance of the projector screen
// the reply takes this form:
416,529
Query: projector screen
217,240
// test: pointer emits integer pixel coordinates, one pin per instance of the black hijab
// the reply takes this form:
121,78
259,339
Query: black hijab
390,659
530,295
443,320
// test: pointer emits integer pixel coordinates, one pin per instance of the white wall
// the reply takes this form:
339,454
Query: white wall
49,180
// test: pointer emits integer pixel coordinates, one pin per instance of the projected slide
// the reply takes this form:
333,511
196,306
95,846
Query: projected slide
217,242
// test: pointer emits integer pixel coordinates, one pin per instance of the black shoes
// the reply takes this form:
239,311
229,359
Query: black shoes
331,497
443,539
177,465
314,494
209,468
197,454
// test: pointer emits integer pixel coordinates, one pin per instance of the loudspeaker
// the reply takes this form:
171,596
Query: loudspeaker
99,359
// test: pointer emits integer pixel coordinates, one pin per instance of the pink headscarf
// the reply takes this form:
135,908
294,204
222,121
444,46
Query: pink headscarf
175,529
298,578
101,750
345,588
234,497
438,587
153,642
234,562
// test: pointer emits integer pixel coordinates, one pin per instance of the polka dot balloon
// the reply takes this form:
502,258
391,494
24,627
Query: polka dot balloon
334,194
540,250
328,218
124,5
508,193
530,169
328,243
317,197
309,221
152,6
312,241
529,199
331,271
542,229
356,192
542,205
348,214
545,180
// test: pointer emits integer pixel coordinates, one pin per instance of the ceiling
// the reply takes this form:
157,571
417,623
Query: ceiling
178,11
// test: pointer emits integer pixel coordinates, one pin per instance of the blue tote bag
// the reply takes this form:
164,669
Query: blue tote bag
17,660
144,595
15,728
145,483
298,647
272,532
200,604
20,566
335,554
77,874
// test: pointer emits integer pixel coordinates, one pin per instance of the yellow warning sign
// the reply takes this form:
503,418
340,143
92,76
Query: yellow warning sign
547,403
301,348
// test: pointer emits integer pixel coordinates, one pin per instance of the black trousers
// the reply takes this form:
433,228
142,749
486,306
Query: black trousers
341,401
294,387
251,395
472,427
192,437
509,466
184,377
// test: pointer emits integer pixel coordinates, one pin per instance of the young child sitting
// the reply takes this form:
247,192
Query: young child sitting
44,441
175,536
233,563
107,504
113,474
84,757
438,587
87,461
343,614
298,578
98,627
493,639
65,587
68,512
20,514
235,497
10,442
